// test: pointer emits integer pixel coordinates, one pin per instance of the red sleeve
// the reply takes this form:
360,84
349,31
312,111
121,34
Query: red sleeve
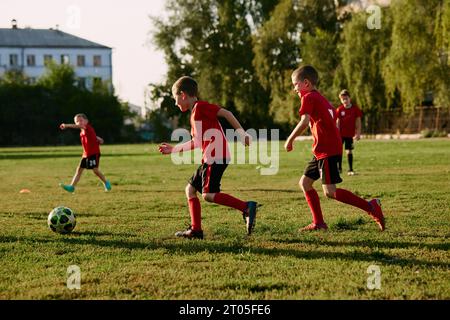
206,111
307,106
338,112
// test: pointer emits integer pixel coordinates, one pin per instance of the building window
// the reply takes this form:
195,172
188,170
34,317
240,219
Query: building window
82,83
81,61
97,61
65,59
13,60
47,59
31,60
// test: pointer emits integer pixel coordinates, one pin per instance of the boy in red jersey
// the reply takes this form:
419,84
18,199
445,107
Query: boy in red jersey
349,124
91,152
207,133
320,115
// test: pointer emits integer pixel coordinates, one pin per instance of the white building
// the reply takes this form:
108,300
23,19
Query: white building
28,50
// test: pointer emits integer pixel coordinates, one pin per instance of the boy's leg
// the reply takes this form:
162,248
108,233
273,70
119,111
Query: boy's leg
106,183
77,176
226,200
71,187
211,178
195,229
330,176
350,160
99,174
195,209
310,175
313,200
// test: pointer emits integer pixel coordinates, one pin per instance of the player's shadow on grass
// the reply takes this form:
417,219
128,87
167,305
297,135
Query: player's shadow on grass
25,156
368,244
193,247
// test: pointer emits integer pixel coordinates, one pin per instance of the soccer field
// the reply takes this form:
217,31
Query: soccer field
124,240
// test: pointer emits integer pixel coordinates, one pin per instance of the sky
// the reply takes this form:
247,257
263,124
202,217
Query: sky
121,25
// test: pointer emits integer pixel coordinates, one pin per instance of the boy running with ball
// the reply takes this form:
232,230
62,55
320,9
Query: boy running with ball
207,134
91,152
320,115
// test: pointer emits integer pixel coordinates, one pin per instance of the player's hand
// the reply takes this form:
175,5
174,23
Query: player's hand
100,140
358,137
247,139
165,148
62,126
289,146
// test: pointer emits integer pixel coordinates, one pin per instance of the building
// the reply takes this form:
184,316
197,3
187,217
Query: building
28,50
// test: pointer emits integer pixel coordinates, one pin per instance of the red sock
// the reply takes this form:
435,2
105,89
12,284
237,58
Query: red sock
195,210
314,204
229,201
351,199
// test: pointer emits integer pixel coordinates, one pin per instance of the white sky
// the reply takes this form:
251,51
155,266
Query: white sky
122,25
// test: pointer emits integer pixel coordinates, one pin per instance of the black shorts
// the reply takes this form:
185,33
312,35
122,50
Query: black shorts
348,143
327,169
207,177
90,162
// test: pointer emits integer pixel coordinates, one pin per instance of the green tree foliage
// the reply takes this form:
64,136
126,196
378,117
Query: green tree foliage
413,65
243,54
31,114
363,51
211,41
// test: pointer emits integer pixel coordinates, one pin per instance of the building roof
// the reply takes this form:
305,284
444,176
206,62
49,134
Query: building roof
43,38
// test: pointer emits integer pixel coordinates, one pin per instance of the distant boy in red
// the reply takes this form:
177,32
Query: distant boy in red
320,115
349,123
208,135
91,152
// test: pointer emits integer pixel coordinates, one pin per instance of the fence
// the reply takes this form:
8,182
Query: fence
395,121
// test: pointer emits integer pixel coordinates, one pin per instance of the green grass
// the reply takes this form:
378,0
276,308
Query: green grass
125,247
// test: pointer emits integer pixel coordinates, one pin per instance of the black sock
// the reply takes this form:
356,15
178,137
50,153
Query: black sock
350,161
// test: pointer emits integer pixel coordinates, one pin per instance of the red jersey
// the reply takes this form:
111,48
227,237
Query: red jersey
89,141
327,139
347,118
207,132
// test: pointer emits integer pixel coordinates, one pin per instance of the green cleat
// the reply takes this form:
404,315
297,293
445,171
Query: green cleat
68,188
108,186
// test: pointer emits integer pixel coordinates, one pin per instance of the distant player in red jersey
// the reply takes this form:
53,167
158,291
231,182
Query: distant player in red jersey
91,152
349,124
208,135
320,115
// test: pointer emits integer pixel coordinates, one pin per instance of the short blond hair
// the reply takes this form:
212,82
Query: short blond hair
81,115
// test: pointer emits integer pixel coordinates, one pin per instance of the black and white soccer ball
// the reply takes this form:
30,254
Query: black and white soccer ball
62,220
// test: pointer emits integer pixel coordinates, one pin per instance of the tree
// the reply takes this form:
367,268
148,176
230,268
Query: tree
297,32
211,41
412,66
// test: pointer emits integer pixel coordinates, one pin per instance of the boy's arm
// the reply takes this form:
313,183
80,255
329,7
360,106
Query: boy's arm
166,148
358,128
64,126
301,126
338,123
229,116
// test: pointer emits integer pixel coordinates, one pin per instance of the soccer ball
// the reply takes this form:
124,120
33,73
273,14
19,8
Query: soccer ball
62,220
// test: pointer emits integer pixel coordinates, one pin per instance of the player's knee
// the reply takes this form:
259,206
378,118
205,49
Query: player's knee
209,197
305,184
190,191
330,194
